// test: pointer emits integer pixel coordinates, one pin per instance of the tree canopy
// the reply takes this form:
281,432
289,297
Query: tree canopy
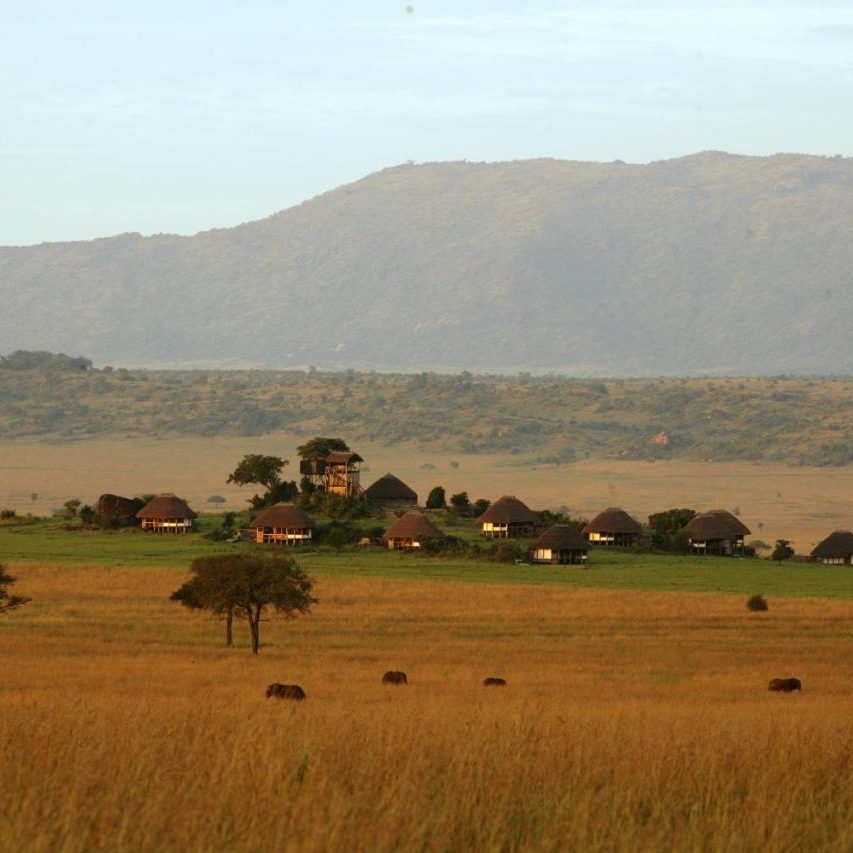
436,499
247,584
264,471
671,520
782,551
319,447
259,469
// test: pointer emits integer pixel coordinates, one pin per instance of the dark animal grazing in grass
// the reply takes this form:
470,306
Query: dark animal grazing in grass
392,677
785,685
494,682
285,691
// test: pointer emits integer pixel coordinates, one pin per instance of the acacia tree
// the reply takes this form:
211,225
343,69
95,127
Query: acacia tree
9,602
247,584
254,468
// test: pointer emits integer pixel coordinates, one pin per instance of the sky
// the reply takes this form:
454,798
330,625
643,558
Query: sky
186,115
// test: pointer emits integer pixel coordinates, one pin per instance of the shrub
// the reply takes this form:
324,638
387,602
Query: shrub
461,503
757,603
480,506
506,552
87,514
7,513
436,499
782,551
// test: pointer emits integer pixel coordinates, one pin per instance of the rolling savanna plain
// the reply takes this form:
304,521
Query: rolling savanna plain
636,713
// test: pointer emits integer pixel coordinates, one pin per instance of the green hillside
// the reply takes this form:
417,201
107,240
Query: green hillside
538,419
711,264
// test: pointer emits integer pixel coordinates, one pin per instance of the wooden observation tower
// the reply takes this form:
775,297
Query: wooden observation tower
336,474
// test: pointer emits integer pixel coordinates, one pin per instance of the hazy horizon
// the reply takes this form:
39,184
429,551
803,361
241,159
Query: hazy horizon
162,120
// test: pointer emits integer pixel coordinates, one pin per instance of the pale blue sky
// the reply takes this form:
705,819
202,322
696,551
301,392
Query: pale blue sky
185,115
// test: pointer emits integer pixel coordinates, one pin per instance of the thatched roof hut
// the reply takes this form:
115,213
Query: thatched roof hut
613,527
561,544
836,549
389,492
716,532
166,513
283,515
410,531
508,517
283,524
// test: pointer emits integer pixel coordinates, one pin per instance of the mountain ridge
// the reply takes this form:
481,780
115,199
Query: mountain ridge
707,264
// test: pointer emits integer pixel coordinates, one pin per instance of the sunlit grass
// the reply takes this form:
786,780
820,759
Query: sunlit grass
631,720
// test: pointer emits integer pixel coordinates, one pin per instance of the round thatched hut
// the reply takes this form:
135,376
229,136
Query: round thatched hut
716,532
282,524
836,549
410,531
166,513
561,544
390,493
508,518
613,528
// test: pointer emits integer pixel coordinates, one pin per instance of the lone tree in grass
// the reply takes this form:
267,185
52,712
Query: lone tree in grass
9,602
245,585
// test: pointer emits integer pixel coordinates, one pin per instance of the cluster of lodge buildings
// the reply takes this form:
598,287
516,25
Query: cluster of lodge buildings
717,532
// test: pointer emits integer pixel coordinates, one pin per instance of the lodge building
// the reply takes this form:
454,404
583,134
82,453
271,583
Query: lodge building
613,528
410,532
391,494
836,549
166,513
717,533
508,518
560,544
282,524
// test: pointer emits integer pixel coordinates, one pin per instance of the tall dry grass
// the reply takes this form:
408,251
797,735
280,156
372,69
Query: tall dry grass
632,721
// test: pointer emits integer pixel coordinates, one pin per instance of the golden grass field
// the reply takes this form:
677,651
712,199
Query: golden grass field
631,721
776,501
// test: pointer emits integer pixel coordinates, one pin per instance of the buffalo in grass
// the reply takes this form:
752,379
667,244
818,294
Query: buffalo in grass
785,685
285,691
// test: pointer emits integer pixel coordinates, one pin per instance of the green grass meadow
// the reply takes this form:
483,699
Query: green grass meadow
49,542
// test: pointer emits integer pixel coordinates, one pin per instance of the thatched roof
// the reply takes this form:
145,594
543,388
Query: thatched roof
389,488
166,505
836,545
509,510
613,520
716,524
283,515
343,457
561,537
413,525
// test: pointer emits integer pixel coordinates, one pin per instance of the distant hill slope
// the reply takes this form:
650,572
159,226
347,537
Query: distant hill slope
708,264
529,420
